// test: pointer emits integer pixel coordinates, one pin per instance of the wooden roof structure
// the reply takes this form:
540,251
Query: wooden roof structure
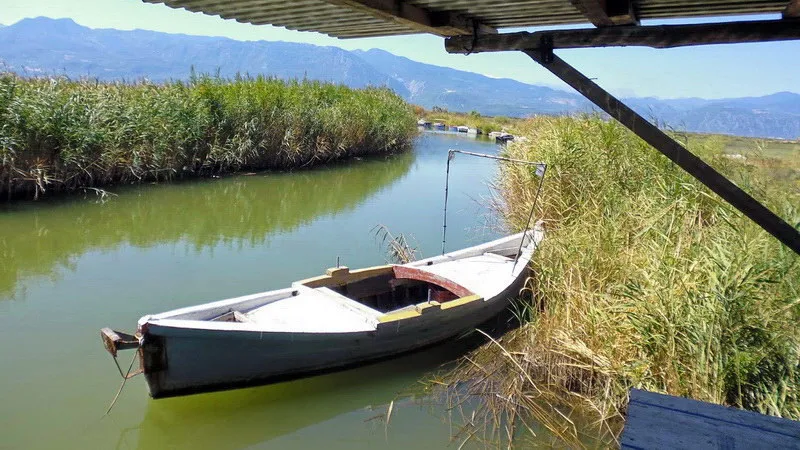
369,18
471,26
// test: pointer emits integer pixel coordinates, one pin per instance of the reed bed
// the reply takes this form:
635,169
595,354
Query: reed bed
645,279
59,135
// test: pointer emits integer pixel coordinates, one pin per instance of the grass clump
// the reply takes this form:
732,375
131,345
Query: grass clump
645,279
62,135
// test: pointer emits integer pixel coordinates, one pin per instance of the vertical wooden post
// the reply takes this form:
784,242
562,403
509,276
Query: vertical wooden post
695,166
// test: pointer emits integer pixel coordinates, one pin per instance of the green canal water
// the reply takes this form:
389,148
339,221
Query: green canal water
71,266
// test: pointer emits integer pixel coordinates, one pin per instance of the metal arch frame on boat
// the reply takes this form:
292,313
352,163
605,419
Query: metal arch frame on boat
451,155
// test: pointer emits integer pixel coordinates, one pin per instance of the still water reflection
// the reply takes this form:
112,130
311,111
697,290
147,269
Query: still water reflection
71,266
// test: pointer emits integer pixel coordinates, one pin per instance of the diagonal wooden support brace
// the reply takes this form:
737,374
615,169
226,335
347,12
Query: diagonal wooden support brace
704,173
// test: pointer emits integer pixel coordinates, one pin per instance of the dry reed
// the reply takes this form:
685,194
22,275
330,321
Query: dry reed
645,279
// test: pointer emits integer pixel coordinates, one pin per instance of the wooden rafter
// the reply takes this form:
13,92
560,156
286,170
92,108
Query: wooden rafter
661,36
607,13
792,9
418,18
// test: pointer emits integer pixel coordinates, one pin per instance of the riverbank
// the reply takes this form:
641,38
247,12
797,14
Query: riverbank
486,124
59,135
645,280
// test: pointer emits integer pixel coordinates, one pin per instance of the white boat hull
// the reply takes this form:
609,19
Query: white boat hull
182,355
208,360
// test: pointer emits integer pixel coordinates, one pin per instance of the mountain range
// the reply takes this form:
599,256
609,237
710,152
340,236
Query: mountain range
43,46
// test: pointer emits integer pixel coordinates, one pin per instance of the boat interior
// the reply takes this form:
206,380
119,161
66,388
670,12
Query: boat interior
360,300
343,300
388,288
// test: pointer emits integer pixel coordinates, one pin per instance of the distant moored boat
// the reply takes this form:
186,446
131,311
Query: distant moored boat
504,137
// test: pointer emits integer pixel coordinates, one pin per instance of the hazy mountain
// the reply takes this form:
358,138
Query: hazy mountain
464,91
775,115
45,46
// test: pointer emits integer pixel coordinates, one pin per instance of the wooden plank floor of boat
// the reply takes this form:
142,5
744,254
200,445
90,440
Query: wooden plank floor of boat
315,310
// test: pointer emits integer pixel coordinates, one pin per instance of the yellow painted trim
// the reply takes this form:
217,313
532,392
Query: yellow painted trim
315,281
461,301
398,315
420,309
336,272
383,268
426,307
341,277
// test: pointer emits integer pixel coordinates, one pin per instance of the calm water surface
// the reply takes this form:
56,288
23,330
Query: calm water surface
71,266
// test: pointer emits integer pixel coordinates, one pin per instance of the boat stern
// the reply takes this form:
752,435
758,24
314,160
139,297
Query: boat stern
114,341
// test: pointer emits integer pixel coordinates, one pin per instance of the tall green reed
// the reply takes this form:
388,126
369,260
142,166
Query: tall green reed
645,279
62,135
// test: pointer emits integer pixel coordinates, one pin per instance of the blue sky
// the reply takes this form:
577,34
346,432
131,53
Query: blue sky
710,72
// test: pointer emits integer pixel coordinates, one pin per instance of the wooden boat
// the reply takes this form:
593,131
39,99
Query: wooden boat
338,320
504,137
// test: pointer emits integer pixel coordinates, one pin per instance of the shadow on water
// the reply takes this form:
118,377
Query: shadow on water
244,210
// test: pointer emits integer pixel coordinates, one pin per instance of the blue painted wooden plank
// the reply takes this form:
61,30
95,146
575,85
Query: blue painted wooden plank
657,421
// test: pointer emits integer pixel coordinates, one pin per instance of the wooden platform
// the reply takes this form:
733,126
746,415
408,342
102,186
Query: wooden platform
657,421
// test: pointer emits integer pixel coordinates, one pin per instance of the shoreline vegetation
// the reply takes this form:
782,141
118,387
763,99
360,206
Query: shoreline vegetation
645,279
60,135
473,119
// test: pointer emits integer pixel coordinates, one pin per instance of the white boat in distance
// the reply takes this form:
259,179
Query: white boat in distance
342,319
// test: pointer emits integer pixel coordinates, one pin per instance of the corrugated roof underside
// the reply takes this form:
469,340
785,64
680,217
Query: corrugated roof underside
303,15
346,22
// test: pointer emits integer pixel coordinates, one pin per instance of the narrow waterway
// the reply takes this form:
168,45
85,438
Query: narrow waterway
71,266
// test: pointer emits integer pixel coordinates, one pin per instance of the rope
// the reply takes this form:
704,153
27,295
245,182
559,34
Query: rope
124,380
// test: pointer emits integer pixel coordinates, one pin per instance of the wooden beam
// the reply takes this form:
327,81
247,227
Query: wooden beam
418,18
607,13
661,36
792,9
662,142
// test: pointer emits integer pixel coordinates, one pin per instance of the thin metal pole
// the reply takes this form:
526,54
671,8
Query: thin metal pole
446,189
501,158
673,150
451,155
530,217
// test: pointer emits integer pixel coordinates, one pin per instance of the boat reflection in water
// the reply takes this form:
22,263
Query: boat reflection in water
318,409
